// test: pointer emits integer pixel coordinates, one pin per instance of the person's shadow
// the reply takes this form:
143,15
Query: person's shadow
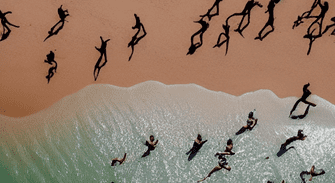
194,152
283,150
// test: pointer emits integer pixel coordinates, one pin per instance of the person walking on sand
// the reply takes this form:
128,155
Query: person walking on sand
120,161
62,15
6,31
151,145
270,21
103,54
305,95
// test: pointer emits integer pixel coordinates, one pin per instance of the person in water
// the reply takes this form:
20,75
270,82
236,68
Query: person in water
222,164
300,136
196,145
151,145
312,173
251,122
303,98
117,160
228,150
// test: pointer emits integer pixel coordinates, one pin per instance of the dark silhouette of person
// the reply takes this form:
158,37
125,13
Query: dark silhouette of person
62,15
151,145
200,32
270,21
51,60
303,98
245,12
312,173
219,43
136,39
6,30
330,26
198,143
305,15
300,136
117,160
319,20
208,14
301,116
102,51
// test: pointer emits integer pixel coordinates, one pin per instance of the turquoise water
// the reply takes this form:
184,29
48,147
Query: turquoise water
76,139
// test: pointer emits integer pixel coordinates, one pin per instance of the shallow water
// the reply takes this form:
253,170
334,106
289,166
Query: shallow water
75,139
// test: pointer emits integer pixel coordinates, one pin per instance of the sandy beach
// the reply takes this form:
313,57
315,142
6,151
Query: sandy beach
279,63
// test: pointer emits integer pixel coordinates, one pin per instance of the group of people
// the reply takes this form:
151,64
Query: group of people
251,123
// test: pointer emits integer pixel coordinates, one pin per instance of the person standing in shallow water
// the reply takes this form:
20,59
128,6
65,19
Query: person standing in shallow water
197,144
303,98
151,145
228,150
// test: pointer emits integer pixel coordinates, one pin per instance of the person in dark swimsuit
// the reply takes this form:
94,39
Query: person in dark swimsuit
62,15
319,20
312,173
196,145
245,12
103,54
151,145
270,21
116,160
51,60
135,39
228,150
300,136
6,30
200,32
209,13
219,43
303,98
251,123
222,164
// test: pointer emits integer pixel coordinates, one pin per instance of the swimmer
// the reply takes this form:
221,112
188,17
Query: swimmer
196,145
300,136
151,145
228,150
222,164
115,160
251,123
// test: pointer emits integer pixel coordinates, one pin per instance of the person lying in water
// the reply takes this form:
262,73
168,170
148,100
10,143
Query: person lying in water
228,150
300,136
151,145
197,144
222,164
117,160
251,123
